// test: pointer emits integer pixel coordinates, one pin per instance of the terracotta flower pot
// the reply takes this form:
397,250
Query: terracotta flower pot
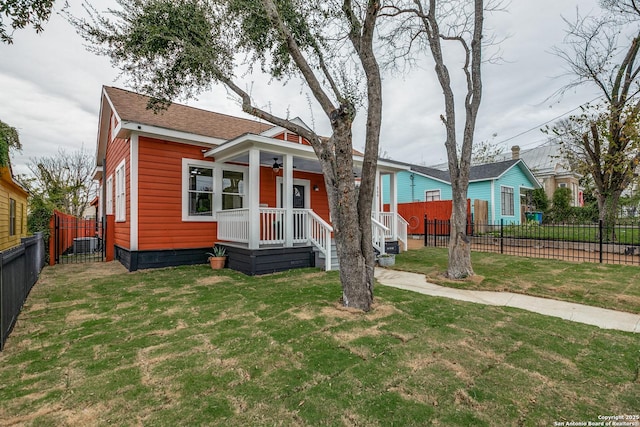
217,262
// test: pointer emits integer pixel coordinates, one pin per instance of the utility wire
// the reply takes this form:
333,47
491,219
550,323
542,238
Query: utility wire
548,121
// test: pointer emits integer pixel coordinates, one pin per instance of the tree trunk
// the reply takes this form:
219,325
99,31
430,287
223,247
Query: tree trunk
608,213
459,245
355,274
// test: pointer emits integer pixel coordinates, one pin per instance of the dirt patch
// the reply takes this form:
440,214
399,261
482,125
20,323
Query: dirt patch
354,334
211,280
79,316
378,311
302,313
303,278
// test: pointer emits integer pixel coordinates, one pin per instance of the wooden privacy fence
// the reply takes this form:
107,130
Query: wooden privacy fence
415,212
19,270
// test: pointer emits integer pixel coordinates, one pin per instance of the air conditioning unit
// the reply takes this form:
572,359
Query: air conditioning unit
85,245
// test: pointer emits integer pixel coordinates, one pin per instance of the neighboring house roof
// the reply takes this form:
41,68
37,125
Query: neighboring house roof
484,172
546,159
132,107
6,175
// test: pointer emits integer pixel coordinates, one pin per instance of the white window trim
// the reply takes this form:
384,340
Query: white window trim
109,195
432,191
121,192
186,164
513,207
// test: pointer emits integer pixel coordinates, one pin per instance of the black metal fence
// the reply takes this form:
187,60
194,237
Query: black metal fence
619,244
76,240
19,270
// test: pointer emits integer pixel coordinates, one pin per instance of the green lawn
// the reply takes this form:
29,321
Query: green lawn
602,285
96,345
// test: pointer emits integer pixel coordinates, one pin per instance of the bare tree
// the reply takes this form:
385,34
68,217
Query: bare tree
434,23
602,51
63,180
172,49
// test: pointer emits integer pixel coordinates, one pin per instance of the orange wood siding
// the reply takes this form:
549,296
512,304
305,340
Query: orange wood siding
160,224
117,150
292,137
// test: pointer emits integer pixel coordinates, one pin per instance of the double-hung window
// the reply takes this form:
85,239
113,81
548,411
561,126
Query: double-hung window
506,197
121,193
109,195
431,195
198,195
12,217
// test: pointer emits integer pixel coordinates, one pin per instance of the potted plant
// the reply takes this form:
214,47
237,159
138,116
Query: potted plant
218,257
386,260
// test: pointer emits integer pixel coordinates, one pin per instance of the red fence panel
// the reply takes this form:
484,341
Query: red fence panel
414,214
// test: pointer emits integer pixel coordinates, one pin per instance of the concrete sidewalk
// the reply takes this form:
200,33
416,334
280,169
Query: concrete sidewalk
601,317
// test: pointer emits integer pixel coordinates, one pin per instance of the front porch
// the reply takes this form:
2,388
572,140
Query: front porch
280,220
307,230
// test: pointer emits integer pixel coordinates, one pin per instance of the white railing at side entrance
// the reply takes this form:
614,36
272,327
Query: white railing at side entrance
402,228
320,235
378,233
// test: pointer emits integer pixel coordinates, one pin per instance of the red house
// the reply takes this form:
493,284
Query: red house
183,179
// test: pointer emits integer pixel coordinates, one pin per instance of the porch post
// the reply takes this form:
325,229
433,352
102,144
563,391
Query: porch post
287,199
393,203
377,197
254,198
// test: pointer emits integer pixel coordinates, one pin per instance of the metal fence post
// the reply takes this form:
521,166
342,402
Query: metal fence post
600,227
501,235
426,231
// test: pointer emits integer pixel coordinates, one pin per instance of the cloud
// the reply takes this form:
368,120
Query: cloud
50,89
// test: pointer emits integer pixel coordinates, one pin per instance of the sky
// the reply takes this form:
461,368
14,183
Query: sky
50,88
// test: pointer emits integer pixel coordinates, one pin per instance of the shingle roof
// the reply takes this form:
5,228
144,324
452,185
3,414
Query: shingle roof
477,173
132,107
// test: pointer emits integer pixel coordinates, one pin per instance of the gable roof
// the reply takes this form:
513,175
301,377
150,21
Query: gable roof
132,107
484,172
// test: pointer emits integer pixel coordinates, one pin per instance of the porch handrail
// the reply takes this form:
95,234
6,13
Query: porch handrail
402,227
319,233
378,233
387,218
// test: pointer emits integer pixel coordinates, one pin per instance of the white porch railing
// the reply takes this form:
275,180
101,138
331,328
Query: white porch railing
401,226
378,233
271,226
320,235
233,225
273,222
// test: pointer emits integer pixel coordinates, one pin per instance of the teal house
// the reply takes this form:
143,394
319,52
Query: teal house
503,185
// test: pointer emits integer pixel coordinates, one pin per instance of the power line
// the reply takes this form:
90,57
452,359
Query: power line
548,121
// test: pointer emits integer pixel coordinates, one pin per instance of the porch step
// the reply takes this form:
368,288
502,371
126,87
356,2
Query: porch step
321,259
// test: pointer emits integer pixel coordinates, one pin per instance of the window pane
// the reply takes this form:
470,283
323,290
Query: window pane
232,182
200,179
231,201
200,204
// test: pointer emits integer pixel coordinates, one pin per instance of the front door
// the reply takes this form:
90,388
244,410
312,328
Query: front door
298,196
300,200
